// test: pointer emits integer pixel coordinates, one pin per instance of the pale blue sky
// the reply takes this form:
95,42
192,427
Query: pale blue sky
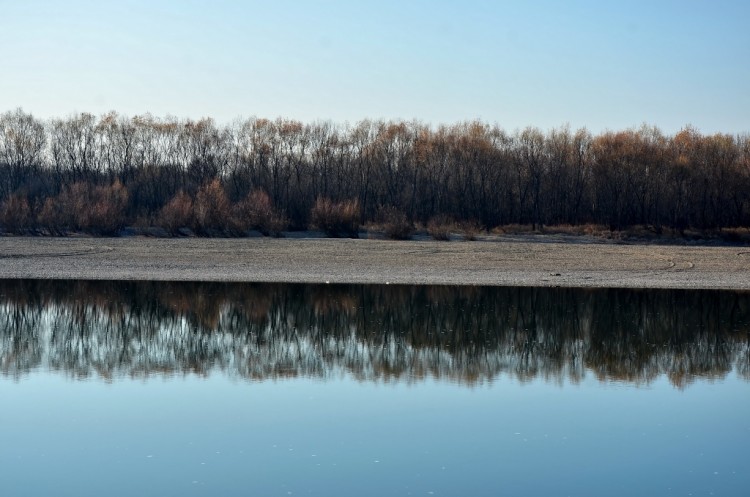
600,64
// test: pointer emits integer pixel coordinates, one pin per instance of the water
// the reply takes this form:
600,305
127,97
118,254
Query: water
111,388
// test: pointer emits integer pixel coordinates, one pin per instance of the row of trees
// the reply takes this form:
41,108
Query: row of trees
129,170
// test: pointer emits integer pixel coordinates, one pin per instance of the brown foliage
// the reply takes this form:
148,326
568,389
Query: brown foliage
51,216
439,227
396,225
257,212
82,206
15,213
177,213
108,209
336,218
470,230
211,207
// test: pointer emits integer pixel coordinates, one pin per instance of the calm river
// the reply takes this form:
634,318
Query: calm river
152,389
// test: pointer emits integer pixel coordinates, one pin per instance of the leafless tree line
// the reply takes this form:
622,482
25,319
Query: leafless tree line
99,174
468,334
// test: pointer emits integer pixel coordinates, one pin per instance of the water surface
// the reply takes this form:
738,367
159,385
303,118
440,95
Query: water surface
114,388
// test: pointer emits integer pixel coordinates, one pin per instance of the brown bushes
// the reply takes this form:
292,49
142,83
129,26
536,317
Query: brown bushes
439,227
178,213
336,218
51,216
85,207
256,212
470,230
395,224
212,213
15,214
211,208
107,213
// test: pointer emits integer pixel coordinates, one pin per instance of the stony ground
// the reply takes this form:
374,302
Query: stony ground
509,260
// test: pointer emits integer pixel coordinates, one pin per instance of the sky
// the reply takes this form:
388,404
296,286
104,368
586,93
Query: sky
604,65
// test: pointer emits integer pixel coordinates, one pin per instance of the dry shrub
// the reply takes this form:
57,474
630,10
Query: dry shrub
514,229
177,213
563,229
107,215
96,209
211,207
439,227
735,235
396,225
596,230
75,204
256,211
66,211
470,230
336,218
15,213
52,215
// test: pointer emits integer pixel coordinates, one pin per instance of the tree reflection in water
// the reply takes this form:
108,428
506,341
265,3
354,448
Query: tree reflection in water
385,333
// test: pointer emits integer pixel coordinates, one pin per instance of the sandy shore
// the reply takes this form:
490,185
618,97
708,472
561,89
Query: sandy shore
522,261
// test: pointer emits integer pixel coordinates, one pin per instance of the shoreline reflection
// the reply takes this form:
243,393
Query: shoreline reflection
468,335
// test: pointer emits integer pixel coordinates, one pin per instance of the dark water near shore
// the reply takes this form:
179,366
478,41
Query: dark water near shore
115,388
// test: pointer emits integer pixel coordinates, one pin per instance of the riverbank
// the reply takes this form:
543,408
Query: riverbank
506,261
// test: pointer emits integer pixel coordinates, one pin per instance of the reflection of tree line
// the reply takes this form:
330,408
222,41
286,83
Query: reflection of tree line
467,334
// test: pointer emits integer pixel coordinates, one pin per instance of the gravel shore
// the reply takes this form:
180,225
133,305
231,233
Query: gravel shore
507,261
